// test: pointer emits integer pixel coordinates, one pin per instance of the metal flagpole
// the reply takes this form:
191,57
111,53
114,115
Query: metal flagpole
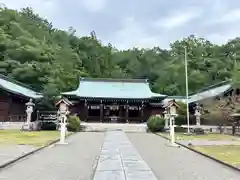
186,76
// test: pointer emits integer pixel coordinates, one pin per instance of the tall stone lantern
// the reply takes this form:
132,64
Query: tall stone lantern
29,110
198,113
63,111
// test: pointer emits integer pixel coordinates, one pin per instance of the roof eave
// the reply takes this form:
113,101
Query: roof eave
37,96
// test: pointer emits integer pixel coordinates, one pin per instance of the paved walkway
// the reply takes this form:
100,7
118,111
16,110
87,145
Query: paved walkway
171,163
119,160
74,161
11,152
150,159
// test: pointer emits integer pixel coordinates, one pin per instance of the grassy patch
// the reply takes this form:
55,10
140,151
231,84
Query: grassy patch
36,138
228,154
210,137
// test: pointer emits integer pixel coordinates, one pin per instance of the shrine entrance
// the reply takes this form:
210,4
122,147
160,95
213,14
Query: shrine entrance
112,113
116,112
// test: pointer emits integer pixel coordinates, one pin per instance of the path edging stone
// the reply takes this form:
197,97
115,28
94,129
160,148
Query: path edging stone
5,165
203,154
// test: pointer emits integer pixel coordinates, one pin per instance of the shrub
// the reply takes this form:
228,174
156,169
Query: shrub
156,124
179,129
180,120
73,124
198,131
48,126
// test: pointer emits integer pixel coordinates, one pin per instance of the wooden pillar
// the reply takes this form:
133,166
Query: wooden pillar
127,106
101,111
86,110
142,112
120,113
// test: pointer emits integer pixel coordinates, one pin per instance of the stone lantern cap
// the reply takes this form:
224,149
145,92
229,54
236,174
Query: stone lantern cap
30,103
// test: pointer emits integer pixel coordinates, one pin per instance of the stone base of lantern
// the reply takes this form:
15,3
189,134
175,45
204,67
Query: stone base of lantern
188,134
26,127
173,145
62,143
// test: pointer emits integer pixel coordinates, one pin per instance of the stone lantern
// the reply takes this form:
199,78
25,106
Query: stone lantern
198,113
171,112
29,110
63,111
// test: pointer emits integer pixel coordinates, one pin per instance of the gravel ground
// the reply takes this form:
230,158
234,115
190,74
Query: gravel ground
74,161
172,163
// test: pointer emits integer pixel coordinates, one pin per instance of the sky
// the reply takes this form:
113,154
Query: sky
141,23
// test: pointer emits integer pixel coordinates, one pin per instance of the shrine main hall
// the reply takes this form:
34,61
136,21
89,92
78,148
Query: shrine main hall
114,100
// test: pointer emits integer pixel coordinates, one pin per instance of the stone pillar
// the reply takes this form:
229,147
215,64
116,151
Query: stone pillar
166,118
63,119
63,112
172,113
172,132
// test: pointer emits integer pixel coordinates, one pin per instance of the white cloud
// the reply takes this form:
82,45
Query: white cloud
215,20
224,37
230,16
133,34
46,8
95,6
177,19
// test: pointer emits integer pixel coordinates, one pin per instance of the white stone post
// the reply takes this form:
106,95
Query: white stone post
172,131
63,111
63,119
29,112
173,114
166,118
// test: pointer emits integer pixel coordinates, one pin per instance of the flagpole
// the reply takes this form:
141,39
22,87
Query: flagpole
186,76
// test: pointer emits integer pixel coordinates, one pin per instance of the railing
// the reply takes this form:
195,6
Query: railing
222,129
17,118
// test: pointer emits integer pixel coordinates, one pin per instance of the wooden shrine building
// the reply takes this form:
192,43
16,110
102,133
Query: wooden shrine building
13,96
114,100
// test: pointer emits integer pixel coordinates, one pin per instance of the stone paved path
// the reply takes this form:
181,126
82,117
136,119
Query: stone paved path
119,160
74,161
171,163
11,152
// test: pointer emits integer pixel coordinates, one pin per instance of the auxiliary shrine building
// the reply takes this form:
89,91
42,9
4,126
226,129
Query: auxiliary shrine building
114,100
13,96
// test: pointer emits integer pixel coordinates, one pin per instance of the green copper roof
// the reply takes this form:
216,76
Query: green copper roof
210,92
114,88
15,87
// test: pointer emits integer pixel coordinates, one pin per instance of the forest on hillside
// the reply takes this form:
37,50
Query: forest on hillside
32,51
